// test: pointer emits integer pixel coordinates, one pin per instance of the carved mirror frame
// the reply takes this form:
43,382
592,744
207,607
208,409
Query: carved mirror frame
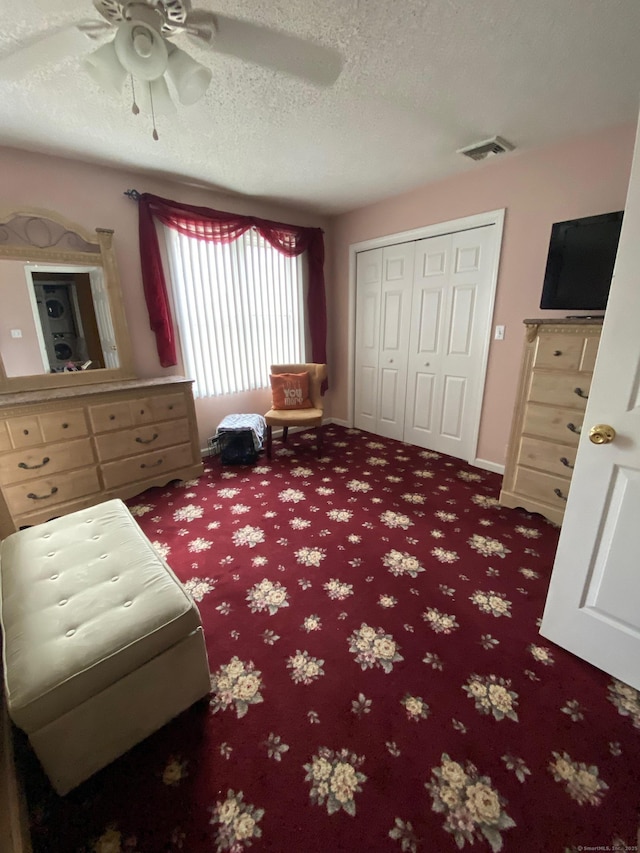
38,236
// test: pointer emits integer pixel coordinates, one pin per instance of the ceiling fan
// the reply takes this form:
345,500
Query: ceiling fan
137,36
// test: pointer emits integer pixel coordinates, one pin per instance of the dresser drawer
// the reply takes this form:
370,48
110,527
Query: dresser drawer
168,406
134,441
31,464
5,440
56,426
48,492
559,424
147,466
543,487
24,432
110,416
547,456
561,352
560,389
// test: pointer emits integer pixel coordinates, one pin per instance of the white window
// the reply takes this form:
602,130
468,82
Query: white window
239,308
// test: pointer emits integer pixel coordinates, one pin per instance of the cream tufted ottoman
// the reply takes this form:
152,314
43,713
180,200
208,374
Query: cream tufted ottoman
101,644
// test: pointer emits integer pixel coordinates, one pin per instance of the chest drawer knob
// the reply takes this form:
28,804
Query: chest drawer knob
558,492
112,417
574,428
65,426
580,393
566,462
25,432
32,467
146,440
557,352
35,497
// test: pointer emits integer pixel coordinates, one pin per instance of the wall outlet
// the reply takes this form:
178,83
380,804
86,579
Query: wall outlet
499,333
16,333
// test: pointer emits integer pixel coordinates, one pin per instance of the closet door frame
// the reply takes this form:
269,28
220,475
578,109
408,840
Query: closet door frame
492,217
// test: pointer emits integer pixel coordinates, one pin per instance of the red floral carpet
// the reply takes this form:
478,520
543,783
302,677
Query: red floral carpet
378,680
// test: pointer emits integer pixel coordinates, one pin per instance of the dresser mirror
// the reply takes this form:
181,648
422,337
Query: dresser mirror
62,321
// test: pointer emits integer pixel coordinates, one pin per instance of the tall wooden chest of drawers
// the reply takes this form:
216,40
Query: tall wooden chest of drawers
63,450
557,366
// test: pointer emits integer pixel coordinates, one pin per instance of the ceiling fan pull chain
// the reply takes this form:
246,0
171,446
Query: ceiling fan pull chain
153,115
135,109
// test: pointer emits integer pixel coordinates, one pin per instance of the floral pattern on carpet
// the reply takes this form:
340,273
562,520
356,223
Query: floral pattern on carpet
378,682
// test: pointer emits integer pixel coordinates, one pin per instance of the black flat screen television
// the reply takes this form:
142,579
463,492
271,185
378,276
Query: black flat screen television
582,253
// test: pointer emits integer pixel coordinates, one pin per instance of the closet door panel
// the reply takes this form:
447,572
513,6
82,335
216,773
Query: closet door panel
368,294
397,284
420,416
426,342
453,398
459,265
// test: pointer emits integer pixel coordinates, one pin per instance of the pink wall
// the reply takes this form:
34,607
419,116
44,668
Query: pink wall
580,177
93,197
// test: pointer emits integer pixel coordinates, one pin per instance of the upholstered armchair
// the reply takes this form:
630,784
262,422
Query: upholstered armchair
289,405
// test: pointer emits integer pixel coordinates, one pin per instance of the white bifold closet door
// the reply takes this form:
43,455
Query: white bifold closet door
422,322
384,283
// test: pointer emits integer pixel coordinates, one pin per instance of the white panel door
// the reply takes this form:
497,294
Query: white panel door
368,292
592,605
395,315
450,325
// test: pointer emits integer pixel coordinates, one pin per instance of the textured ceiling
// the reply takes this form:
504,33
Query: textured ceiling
421,79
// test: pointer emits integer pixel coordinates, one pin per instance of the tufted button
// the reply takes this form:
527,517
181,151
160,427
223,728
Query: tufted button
54,577
51,554
115,578
70,632
88,521
46,536
103,556
62,602
95,537
128,603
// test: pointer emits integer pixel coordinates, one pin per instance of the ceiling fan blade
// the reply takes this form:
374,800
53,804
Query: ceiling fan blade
260,45
49,47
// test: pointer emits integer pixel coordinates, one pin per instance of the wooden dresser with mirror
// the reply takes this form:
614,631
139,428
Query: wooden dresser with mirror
76,425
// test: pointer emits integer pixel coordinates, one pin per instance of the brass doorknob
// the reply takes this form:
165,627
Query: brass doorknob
602,434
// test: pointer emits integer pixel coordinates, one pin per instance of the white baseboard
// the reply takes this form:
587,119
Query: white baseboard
488,466
339,422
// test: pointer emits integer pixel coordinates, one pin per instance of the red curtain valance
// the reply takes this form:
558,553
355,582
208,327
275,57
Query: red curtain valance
221,227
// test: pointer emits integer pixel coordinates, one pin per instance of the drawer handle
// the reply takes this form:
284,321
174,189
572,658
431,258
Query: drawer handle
580,393
33,497
147,440
65,426
566,462
557,352
33,467
574,428
25,432
171,407
559,494
153,465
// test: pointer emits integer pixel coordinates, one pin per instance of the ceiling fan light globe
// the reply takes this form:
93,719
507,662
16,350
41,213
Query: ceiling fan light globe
141,50
190,78
105,69
142,45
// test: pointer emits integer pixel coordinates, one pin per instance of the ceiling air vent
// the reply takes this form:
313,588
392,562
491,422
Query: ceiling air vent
486,148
